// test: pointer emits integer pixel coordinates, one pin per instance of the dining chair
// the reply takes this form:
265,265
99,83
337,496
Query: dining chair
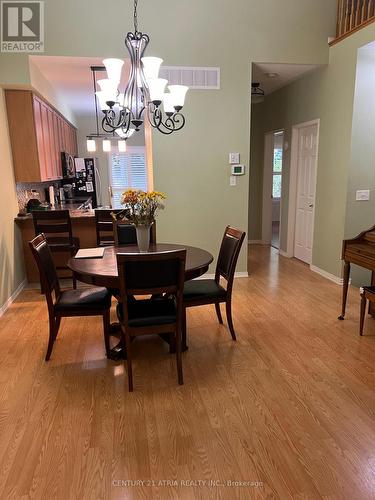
210,291
56,225
151,274
125,233
104,227
85,302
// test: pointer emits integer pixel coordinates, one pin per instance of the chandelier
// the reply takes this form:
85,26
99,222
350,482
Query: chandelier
144,97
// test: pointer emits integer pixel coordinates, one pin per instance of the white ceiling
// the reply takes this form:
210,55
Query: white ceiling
285,74
72,79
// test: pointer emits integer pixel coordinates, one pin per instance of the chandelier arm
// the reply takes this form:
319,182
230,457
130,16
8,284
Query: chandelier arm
123,121
154,116
179,120
168,125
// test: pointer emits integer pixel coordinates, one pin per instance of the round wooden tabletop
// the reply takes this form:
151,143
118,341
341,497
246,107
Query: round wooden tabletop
103,271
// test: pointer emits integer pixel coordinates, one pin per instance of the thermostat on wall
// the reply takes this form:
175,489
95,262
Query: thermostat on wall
238,169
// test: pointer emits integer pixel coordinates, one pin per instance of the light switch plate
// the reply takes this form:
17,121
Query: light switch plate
363,195
234,158
232,180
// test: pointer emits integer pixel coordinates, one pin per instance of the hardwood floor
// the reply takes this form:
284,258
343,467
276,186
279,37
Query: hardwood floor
290,406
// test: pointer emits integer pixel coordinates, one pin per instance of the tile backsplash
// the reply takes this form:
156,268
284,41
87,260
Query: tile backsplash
24,191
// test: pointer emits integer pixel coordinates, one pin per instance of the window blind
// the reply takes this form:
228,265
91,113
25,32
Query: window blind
127,170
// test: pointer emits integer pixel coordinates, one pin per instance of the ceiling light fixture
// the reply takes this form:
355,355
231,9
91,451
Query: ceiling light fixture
257,94
144,94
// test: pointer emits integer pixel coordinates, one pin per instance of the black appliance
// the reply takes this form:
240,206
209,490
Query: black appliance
33,204
68,166
85,179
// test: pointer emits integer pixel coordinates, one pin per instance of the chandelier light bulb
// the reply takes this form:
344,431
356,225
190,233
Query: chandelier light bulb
178,92
91,145
168,103
120,99
102,100
125,135
106,145
109,89
151,67
113,67
122,146
156,88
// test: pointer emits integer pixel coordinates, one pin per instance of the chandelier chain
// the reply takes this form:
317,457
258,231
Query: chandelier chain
135,16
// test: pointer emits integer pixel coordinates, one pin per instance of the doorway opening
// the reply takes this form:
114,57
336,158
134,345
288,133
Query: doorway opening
277,172
272,188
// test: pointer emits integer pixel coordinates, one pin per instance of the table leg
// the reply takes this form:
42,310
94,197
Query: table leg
118,351
345,290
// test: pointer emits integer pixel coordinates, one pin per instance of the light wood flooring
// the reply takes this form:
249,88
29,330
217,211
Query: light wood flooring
290,406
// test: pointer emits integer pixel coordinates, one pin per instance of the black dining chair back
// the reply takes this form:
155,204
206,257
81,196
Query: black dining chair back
228,254
86,302
46,267
104,226
210,291
56,225
161,276
125,233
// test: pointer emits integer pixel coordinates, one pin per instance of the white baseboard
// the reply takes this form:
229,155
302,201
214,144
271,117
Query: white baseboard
12,298
256,242
285,254
327,275
241,274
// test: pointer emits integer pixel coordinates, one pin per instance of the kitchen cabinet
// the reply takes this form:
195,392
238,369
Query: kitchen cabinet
38,135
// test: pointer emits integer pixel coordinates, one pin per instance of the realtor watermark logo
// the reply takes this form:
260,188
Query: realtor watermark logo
22,26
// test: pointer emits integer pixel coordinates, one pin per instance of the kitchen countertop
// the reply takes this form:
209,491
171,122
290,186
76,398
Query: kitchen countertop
75,212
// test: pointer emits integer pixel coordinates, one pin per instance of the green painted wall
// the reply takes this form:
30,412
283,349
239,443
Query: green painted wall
11,262
361,215
192,166
328,94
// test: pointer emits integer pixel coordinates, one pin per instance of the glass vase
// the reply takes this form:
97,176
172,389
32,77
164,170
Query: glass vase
143,237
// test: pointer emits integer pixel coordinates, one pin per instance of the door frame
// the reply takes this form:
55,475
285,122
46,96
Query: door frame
293,180
267,187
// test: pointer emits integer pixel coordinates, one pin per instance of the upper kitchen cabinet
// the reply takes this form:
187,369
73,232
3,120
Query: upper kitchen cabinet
38,135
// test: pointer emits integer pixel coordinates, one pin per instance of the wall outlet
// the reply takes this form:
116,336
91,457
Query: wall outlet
234,158
363,195
232,180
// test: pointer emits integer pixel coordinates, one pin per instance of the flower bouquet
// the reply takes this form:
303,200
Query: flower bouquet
140,209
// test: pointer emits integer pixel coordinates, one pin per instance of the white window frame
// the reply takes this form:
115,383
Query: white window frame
129,149
276,173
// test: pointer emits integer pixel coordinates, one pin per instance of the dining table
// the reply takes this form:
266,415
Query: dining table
103,272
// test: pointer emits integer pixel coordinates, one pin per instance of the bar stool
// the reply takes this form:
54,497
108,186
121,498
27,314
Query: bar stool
104,227
57,227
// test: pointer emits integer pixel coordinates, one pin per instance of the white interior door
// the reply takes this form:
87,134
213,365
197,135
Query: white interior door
306,186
